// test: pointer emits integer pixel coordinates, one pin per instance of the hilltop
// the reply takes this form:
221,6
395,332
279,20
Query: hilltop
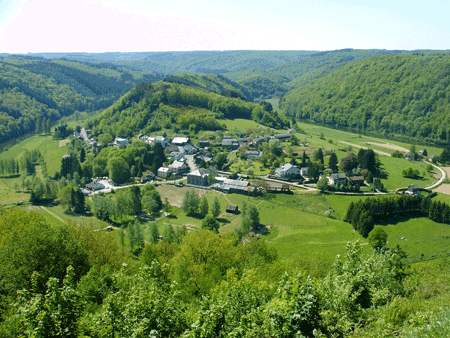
182,104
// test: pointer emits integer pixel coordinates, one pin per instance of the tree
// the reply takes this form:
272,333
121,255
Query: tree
322,184
190,202
318,155
332,162
154,233
221,159
82,155
215,209
253,215
119,171
56,313
210,223
378,238
203,207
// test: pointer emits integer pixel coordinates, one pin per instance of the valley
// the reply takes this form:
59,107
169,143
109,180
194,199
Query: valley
228,186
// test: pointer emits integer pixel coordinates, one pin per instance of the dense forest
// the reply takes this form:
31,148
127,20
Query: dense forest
394,95
33,89
150,107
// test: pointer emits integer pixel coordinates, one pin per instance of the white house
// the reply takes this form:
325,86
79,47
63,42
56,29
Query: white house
121,142
288,170
164,172
178,166
304,171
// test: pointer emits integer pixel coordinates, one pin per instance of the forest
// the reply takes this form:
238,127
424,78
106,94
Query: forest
33,89
403,96
151,107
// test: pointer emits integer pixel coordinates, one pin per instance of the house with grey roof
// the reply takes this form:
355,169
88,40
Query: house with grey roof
230,143
338,179
199,177
288,170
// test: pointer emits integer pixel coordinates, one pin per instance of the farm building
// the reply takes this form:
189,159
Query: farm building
236,186
357,180
232,208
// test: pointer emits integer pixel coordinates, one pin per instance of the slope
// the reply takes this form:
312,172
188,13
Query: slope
36,88
406,96
150,107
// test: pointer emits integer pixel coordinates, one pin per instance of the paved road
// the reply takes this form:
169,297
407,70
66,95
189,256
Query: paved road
440,180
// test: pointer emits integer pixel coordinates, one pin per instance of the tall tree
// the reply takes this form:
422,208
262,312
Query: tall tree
332,162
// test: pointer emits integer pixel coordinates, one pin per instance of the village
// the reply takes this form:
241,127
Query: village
195,165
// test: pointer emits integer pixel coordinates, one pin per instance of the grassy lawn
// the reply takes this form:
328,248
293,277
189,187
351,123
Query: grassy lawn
425,239
8,194
395,166
313,247
48,147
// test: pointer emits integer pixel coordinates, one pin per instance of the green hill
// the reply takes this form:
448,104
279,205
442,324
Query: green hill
395,95
151,107
261,87
35,88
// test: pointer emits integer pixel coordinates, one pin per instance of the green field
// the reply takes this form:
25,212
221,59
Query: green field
48,147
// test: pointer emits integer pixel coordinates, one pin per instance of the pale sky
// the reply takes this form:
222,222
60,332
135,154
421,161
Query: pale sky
184,25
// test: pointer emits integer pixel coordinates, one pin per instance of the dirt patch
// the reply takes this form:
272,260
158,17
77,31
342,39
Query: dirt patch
62,143
362,147
389,146
443,189
175,195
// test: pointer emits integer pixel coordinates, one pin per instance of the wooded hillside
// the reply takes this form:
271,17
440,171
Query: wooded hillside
33,89
151,107
395,95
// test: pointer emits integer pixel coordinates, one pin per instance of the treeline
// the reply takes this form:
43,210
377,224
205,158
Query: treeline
24,164
363,215
405,95
151,107
203,284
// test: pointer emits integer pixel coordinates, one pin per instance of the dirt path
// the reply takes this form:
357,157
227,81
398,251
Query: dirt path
362,147
389,146
53,214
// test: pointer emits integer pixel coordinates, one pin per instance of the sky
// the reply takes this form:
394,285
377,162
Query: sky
33,26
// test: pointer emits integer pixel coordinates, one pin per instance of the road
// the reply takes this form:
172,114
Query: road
440,180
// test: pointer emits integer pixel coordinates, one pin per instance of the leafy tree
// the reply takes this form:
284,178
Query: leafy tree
318,155
221,159
215,209
29,245
378,238
154,233
119,170
253,215
210,223
203,207
190,202
54,314
322,184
